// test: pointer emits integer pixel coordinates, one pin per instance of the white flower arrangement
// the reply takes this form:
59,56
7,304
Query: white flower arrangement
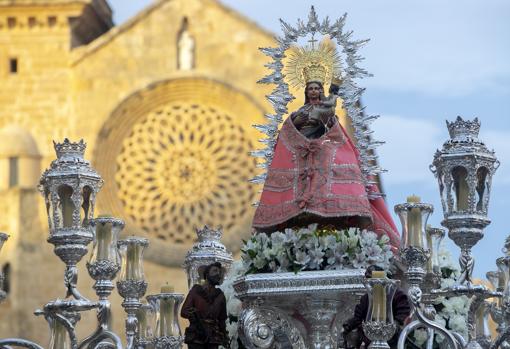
234,305
302,249
452,312
311,248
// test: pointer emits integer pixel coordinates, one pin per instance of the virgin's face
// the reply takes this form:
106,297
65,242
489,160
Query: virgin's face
313,91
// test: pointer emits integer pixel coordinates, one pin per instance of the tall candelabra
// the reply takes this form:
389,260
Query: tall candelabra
464,169
70,187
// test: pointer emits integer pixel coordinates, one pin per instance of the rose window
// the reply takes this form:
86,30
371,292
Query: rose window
183,166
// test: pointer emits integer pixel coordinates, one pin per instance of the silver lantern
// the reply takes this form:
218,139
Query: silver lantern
69,188
464,169
207,250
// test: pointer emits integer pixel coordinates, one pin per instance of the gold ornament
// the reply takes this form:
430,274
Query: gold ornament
309,63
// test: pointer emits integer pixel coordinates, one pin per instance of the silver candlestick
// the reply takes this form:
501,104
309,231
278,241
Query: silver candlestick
131,284
379,326
414,256
103,266
168,331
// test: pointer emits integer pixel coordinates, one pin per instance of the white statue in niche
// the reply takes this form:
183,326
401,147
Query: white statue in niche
186,48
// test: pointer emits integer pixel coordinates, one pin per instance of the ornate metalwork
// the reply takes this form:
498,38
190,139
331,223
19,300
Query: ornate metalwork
131,291
69,188
168,337
168,342
302,309
264,327
464,168
414,259
349,91
207,250
104,271
273,300
420,210
379,333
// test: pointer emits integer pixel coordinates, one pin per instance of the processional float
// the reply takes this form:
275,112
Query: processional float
300,308
307,307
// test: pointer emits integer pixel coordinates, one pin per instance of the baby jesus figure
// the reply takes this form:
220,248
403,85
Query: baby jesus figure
316,117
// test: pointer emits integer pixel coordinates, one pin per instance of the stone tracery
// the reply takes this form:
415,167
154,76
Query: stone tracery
184,165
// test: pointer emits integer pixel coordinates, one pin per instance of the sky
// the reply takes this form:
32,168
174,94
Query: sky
432,60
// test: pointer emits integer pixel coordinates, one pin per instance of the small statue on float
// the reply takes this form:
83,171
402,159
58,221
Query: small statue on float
206,309
315,174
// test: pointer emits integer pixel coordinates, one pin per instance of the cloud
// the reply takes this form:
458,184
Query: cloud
437,47
411,144
499,142
409,149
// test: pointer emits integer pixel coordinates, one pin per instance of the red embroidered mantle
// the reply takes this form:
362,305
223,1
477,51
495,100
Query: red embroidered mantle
320,178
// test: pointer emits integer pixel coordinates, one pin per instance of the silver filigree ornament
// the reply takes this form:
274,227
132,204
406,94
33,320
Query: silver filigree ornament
266,327
379,326
379,333
499,311
208,249
464,168
131,284
69,188
132,289
413,259
103,268
349,91
168,342
169,334
272,300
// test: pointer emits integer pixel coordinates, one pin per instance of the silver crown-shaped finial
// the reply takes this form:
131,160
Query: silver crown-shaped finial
461,129
68,149
208,234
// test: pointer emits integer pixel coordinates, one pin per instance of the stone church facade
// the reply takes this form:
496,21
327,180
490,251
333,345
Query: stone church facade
165,103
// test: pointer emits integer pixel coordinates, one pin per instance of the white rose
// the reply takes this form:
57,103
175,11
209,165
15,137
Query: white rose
458,323
420,336
234,306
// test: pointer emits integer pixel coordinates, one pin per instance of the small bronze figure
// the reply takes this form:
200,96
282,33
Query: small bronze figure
206,309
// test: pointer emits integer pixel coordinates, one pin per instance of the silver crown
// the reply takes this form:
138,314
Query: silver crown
208,234
461,129
68,149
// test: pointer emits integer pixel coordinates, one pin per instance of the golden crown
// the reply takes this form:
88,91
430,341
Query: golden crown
309,63
314,72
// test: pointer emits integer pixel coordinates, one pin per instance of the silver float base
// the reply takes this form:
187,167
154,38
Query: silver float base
303,310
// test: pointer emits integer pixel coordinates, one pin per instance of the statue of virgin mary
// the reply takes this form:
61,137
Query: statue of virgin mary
315,174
